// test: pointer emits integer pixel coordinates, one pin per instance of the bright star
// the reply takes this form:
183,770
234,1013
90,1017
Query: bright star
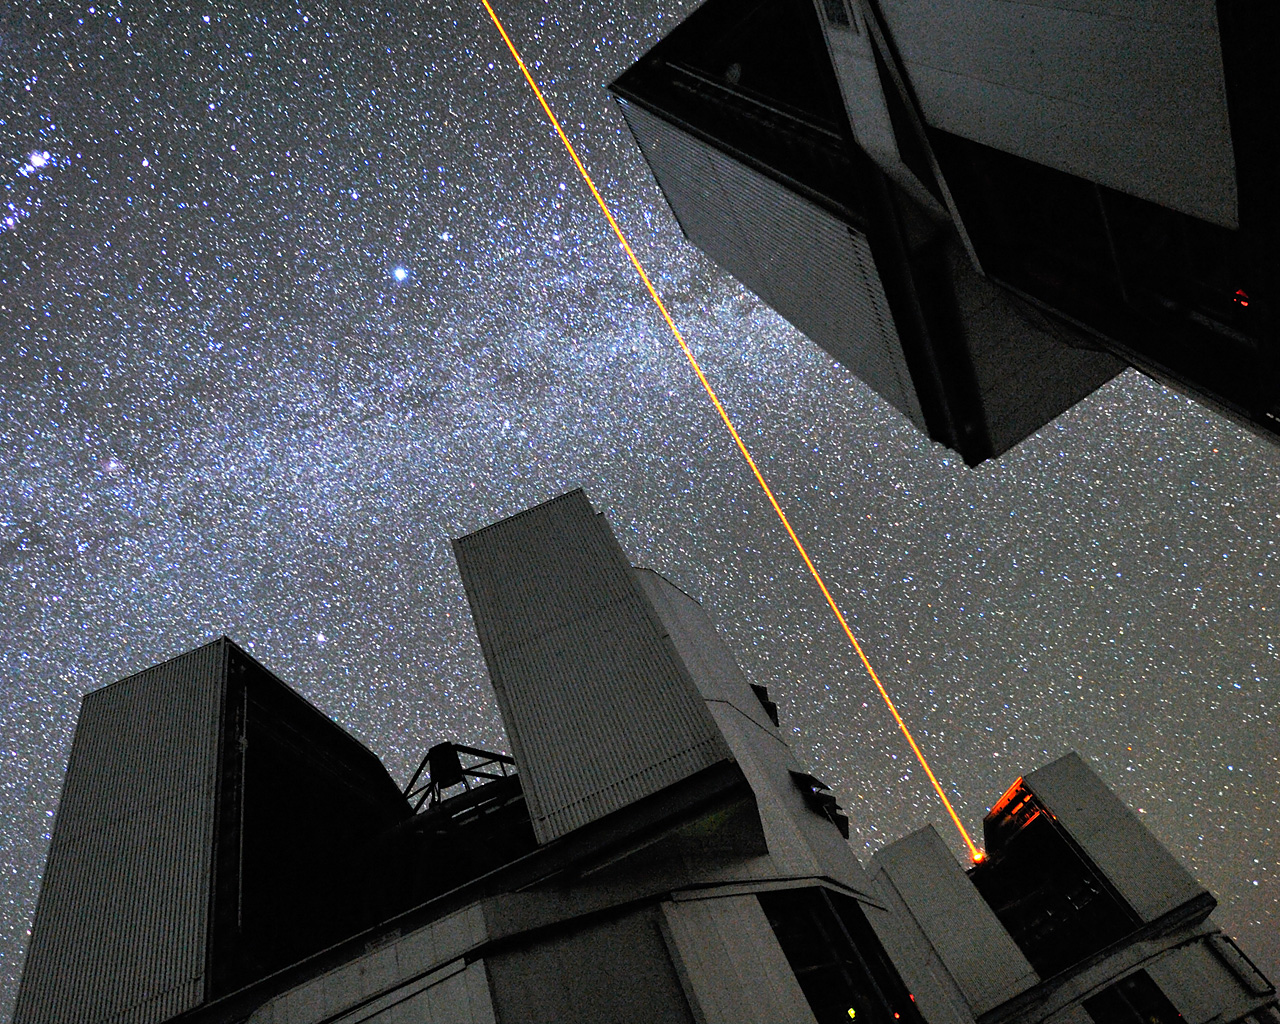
400,274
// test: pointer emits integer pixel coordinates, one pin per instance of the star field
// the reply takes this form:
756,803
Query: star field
287,300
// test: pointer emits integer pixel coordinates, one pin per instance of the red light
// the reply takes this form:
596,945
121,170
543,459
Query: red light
912,995
896,1015
1241,298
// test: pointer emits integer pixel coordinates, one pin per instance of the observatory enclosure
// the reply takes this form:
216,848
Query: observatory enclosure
653,848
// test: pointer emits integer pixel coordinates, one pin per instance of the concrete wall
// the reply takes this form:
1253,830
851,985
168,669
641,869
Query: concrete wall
420,978
614,969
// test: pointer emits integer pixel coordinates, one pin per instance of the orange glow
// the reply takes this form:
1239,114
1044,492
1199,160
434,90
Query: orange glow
1010,794
737,439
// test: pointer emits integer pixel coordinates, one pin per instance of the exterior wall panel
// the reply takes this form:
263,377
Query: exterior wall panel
864,99
457,993
978,953
598,708
1125,93
803,261
1025,373
681,165
423,977
1200,986
710,663
121,924
614,970
799,841
938,997
1147,875
732,967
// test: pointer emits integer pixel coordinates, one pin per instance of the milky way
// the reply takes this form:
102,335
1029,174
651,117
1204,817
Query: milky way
287,301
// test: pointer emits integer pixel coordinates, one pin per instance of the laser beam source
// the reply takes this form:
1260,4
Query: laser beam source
974,852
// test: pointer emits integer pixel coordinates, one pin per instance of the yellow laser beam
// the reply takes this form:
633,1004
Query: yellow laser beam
974,852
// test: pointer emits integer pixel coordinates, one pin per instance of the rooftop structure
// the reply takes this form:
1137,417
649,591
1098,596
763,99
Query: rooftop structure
984,210
652,849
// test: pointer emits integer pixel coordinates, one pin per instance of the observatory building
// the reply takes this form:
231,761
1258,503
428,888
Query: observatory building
984,209
651,850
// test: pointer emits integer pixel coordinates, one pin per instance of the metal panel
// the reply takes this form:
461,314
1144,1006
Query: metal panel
732,967
865,103
706,656
1142,870
594,971
1025,373
1200,985
599,710
698,200
977,951
1127,93
807,264
799,842
121,922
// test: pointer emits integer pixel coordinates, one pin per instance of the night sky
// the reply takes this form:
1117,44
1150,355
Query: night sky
288,301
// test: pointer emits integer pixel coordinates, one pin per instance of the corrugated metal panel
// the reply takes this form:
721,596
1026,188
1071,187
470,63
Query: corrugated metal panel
599,710
807,264
706,656
121,922
1124,93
